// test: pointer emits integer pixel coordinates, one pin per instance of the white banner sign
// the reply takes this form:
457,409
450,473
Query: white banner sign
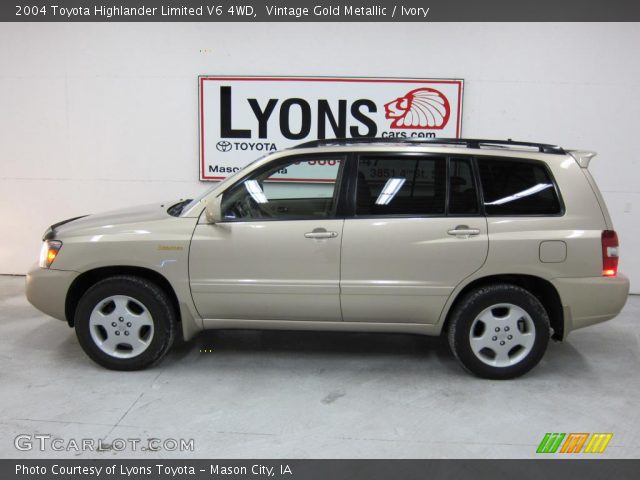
243,118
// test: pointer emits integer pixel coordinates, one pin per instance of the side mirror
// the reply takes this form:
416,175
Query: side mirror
213,210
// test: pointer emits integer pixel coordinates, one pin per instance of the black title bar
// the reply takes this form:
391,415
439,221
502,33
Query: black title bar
582,469
319,11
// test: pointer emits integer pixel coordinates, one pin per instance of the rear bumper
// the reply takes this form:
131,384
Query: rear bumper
587,301
47,290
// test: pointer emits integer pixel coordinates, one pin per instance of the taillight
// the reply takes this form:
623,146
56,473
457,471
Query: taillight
609,253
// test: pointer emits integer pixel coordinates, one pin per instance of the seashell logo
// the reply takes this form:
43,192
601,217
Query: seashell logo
420,108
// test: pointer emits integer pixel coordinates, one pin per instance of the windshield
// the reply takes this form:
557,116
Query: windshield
186,210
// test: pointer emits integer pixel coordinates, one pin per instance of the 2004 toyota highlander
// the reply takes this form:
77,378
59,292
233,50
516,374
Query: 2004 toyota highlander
499,245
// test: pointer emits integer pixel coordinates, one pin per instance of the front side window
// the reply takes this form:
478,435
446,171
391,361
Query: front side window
388,185
517,187
302,189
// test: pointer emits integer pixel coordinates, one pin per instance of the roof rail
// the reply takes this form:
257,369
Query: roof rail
465,142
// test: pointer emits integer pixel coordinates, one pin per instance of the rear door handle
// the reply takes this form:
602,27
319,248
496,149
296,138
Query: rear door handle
320,233
464,231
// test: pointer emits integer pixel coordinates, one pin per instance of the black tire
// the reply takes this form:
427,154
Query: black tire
160,335
481,301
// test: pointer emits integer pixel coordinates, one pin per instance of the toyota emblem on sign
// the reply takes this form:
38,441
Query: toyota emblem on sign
223,146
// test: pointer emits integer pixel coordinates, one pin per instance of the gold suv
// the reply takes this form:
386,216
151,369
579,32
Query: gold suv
498,245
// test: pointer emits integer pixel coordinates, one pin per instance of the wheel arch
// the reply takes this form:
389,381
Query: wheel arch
542,289
84,281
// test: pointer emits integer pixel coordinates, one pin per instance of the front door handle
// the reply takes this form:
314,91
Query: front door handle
463,231
320,233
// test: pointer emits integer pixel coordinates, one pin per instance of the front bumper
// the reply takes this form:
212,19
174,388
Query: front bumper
587,301
47,289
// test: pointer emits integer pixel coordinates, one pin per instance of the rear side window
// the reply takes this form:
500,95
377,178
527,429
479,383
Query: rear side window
389,185
517,187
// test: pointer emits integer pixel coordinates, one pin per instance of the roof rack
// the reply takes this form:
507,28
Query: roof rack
465,142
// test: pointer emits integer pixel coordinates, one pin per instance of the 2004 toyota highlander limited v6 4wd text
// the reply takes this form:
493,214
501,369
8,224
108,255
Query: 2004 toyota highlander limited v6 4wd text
499,245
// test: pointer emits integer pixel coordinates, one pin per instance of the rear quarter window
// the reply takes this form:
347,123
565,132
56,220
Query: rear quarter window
518,187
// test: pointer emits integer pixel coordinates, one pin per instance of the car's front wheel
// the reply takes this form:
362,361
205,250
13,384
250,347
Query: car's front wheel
499,331
125,323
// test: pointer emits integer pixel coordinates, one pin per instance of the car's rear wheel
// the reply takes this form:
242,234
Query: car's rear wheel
499,331
125,323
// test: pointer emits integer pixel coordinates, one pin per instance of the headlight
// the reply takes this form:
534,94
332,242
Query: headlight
48,252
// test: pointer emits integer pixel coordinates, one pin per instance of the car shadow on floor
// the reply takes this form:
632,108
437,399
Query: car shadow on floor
405,349
313,343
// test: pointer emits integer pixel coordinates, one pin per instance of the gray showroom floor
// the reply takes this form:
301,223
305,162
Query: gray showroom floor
313,395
